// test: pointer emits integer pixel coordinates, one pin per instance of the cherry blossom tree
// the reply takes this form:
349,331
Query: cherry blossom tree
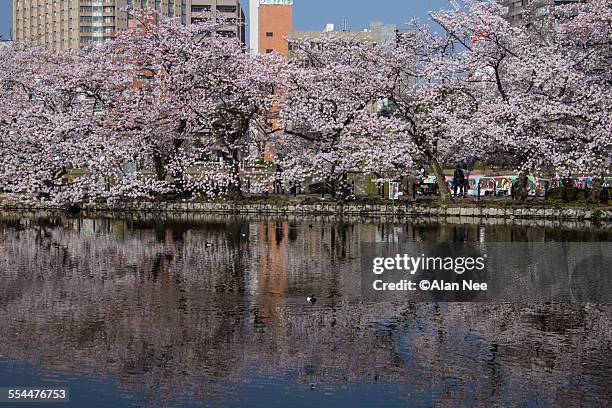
198,96
175,111
536,92
332,114
425,104
52,130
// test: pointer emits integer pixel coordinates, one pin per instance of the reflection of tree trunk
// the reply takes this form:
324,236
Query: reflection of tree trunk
444,192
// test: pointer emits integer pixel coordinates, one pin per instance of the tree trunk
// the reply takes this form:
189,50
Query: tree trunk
445,195
596,191
345,188
520,188
234,190
411,191
158,163
178,179
50,183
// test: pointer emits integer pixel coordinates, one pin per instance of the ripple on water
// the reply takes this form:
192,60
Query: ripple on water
144,314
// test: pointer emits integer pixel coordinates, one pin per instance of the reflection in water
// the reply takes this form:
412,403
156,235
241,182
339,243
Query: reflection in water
149,305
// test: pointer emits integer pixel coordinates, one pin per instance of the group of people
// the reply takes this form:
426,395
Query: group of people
461,183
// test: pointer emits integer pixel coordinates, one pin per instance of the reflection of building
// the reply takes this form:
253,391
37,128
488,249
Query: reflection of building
169,317
270,23
61,25
272,268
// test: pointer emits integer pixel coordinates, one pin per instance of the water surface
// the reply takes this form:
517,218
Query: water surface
211,311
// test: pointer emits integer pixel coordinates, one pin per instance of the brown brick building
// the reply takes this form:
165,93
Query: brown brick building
270,23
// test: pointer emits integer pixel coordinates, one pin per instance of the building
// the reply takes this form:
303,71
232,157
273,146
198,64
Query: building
5,43
377,32
193,11
67,24
270,23
526,11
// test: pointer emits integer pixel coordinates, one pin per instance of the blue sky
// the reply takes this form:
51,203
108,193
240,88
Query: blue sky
314,14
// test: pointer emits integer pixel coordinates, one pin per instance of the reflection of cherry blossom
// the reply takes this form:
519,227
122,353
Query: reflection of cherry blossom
148,304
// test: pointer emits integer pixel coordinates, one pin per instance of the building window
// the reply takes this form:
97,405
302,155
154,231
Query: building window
228,34
269,34
269,51
200,9
226,9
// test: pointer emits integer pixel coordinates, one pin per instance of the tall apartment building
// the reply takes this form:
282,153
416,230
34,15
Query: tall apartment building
62,24
537,9
270,23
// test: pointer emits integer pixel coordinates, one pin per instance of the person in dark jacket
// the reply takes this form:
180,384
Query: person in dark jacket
278,180
458,181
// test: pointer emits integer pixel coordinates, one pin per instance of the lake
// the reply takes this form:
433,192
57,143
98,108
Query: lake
211,311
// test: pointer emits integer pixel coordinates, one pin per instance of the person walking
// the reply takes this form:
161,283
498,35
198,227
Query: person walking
458,181
278,180
466,183
421,175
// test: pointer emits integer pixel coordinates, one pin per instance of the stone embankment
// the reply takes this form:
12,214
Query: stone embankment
349,209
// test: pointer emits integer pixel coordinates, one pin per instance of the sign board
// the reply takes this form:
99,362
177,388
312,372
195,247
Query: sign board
277,2
395,190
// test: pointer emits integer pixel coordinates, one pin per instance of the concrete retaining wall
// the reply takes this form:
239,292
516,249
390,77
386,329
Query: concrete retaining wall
362,210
